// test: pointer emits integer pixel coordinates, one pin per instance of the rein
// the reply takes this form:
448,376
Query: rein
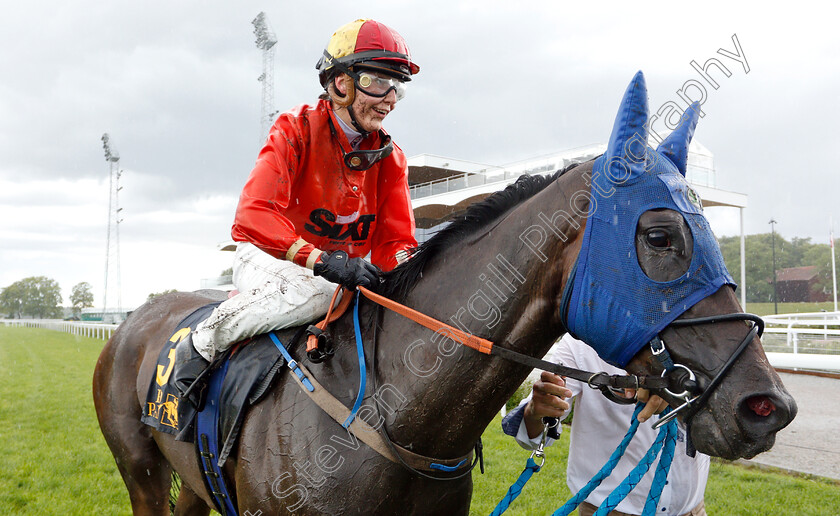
677,380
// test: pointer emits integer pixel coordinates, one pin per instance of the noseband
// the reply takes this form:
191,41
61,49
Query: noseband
693,396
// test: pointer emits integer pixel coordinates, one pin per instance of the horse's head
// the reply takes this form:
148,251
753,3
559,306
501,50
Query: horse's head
650,271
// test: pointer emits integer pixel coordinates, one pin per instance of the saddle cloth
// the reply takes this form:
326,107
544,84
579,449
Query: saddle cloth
252,368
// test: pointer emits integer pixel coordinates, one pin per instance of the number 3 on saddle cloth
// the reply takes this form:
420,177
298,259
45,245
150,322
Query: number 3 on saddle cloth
238,379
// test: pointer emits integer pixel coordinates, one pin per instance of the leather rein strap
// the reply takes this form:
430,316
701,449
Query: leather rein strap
370,435
600,380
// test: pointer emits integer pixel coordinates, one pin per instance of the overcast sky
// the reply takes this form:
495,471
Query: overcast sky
175,85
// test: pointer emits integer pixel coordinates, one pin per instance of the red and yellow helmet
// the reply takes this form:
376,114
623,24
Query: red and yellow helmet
368,44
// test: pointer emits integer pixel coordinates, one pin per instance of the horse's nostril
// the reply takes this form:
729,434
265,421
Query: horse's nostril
761,405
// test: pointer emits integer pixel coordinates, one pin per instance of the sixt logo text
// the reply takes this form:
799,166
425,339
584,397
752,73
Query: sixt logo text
324,225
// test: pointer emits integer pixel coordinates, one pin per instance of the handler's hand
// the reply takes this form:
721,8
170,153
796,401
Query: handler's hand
547,400
653,403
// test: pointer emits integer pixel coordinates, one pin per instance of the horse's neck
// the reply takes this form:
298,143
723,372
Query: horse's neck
497,286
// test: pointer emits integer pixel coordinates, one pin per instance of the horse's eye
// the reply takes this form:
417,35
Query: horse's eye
659,238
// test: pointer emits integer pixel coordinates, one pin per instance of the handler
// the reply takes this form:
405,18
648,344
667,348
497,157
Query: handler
329,187
598,425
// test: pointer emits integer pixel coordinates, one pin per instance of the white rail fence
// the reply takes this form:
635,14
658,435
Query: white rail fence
82,329
803,341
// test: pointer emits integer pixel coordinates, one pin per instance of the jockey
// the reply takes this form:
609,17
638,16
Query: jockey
328,188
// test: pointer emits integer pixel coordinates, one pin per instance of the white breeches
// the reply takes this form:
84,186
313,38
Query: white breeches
273,294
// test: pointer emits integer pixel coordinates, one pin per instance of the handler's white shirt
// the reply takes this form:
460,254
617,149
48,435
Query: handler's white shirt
599,425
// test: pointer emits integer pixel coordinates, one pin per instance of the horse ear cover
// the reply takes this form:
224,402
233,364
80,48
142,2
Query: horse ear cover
613,306
675,145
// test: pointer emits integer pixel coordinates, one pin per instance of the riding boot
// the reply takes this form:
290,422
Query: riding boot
190,372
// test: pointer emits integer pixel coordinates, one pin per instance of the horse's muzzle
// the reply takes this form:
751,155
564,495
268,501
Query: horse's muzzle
748,429
765,414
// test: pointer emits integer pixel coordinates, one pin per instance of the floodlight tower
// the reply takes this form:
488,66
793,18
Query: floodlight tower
265,40
112,252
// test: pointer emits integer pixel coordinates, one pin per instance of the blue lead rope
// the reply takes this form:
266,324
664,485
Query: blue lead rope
665,441
605,471
660,479
632,480
360,351
531,467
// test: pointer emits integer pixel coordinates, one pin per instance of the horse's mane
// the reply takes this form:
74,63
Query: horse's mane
399,282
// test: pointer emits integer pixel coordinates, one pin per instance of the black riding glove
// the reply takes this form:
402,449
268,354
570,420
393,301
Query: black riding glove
349,272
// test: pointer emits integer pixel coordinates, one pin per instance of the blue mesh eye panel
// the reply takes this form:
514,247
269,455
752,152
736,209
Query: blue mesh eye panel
614,306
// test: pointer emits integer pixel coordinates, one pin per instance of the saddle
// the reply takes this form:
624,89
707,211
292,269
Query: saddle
239,378
248,370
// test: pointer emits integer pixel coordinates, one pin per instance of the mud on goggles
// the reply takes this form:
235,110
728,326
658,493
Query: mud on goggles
377,86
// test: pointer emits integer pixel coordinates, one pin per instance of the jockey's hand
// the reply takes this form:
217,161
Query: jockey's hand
653,403
548,399
339,268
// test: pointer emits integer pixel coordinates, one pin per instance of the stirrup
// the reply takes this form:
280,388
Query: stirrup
191,372
196,392
323,348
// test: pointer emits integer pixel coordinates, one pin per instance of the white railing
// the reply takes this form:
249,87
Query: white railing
470,179
806,340
82,329
805,319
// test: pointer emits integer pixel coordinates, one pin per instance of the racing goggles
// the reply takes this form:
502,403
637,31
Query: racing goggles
364,159
378,86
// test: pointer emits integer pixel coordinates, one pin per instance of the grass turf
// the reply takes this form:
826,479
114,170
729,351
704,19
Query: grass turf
53,459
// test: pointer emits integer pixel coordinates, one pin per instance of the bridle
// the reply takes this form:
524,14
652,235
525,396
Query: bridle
693,395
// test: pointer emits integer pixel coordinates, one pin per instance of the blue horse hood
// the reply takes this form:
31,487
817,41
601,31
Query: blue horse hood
613,306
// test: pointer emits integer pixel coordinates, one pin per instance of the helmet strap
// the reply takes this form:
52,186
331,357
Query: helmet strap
346,101
339,99
356,122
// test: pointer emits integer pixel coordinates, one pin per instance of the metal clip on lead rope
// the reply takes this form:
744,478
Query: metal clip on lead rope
539,453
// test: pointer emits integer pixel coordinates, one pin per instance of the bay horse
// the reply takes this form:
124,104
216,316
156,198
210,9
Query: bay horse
509,271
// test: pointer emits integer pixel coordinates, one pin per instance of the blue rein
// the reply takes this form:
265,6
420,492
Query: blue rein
360,351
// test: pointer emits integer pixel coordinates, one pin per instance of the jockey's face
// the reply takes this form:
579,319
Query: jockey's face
370,111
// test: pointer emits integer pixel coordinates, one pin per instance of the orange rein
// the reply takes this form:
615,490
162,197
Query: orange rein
467,339
346,298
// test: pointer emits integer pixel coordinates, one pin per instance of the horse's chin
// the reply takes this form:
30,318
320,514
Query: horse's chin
724,439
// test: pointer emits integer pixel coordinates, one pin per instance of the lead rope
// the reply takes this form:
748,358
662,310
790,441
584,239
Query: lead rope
605,471
667,433
666,438
531,467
